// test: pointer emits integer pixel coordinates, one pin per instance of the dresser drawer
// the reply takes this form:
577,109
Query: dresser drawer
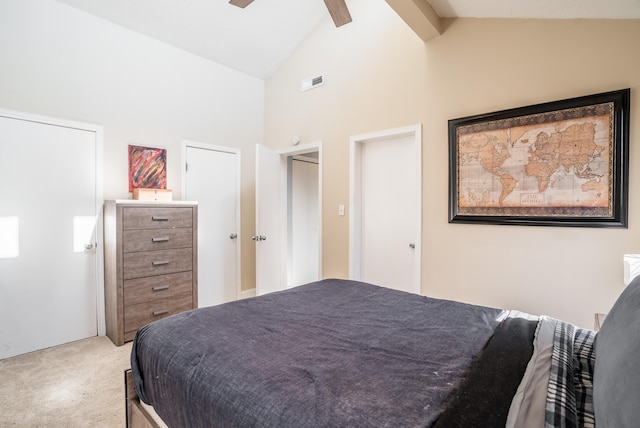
143,290
162,262
136,316
156,218
156,239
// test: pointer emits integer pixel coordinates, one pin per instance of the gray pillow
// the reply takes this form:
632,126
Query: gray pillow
616,381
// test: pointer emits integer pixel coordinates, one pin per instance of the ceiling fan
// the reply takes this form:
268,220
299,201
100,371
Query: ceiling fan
337,9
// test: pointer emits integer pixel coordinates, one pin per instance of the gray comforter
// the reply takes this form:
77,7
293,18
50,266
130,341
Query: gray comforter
333,353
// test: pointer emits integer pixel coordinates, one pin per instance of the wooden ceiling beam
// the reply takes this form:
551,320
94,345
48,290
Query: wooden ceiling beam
419,16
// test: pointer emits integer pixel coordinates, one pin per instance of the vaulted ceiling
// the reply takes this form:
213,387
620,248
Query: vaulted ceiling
258,38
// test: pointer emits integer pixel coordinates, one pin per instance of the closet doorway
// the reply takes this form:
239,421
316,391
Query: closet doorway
288,217
304,219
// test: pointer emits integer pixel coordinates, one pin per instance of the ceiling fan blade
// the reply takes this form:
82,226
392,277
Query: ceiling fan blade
241,3
338,11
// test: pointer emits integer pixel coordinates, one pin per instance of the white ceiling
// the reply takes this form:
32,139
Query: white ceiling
257,39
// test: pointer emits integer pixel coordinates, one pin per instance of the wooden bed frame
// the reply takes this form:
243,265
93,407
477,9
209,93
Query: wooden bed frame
137,415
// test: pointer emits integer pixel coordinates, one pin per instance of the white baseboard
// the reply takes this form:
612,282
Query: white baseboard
244,294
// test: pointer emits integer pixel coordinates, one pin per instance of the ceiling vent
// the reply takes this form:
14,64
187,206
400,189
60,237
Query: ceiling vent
307,84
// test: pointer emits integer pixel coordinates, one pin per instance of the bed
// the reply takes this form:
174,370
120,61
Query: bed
339,353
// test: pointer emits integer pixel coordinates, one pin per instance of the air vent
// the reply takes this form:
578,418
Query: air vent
307,84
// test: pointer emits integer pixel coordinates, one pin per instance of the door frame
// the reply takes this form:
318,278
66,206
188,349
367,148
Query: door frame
284,154
238,153
355,196
99,195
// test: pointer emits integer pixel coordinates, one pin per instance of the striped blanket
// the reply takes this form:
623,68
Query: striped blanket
570,391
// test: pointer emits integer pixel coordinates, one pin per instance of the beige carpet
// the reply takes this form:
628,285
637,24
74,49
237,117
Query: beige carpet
80,384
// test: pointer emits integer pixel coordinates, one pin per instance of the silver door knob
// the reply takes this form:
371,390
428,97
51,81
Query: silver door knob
233,236
412,245
88,246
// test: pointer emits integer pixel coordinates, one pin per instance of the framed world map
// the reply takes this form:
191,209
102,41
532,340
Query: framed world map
562,163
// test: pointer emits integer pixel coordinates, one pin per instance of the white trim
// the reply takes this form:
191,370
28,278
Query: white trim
100,309
355,174
245,294
99,195
238,153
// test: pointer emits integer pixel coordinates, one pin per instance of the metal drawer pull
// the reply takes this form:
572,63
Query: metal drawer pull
161,262
159,218
160,239
160,288
162,312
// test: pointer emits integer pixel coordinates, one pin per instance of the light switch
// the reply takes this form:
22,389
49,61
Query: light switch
340,209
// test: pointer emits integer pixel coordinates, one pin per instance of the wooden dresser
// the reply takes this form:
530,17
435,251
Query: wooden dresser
151,255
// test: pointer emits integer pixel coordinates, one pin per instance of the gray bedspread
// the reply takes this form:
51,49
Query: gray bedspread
333,353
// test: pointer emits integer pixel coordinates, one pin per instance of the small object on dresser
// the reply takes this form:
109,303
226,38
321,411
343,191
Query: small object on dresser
152,194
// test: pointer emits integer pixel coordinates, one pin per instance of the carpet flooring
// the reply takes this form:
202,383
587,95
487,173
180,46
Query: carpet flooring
79,384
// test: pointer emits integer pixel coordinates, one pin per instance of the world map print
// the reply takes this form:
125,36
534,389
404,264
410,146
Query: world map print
559,162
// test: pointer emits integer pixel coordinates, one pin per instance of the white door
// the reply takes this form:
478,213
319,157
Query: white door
270,187
387,202
48,212
212,179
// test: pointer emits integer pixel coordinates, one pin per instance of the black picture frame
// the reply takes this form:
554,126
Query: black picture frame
561,163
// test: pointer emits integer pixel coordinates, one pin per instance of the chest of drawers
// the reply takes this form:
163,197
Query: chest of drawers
150,263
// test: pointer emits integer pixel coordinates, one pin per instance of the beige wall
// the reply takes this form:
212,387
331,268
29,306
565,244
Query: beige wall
380,75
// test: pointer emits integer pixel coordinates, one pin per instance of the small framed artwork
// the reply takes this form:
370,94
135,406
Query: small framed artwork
147,168
561,163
